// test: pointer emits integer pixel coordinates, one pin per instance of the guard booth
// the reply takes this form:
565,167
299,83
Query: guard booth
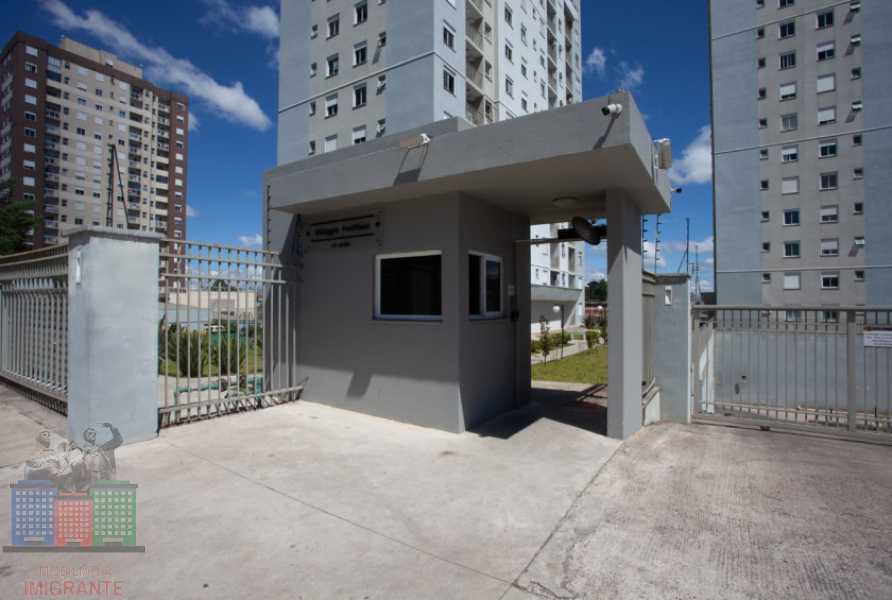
415,296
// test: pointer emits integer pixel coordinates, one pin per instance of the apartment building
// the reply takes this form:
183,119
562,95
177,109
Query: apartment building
90,141
355,70
801,107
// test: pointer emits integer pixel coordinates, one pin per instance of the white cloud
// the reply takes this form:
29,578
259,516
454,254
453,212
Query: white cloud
629,77
251,240
229,102
261,20
695,164
647,256
594,274
191,212
194,123
596,61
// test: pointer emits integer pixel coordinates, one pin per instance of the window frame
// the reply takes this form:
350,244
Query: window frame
483,289
826,24
792,249
830,247
827,279
792,217
382,316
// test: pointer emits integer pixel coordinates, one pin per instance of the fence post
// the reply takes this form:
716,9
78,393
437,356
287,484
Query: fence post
851,383
113,332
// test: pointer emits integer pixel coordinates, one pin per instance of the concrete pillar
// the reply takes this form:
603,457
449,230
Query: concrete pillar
112,332
624,331
672,345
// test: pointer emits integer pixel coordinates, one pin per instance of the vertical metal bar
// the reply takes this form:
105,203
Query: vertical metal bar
851,387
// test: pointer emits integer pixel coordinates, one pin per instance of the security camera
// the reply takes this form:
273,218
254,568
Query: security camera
612,109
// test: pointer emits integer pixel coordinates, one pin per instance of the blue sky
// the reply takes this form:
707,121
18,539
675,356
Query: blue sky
223,55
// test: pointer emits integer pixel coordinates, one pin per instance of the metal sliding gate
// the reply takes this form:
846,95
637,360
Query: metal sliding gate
34,325
815,368
227,331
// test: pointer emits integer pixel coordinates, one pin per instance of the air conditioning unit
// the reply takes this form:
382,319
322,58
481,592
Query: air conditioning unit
856,39
856,105
382,83
855,6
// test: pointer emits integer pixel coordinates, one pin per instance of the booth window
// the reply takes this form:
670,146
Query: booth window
484,286
409,286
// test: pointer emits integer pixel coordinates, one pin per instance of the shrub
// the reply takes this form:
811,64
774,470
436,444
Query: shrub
535,346
591,338
545,340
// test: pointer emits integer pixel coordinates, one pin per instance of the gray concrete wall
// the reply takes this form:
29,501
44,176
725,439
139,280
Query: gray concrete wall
877,48
294,82
487,349
672,345
113,332
735,145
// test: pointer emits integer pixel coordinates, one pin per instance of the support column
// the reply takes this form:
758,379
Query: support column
624,331
113,332
672,346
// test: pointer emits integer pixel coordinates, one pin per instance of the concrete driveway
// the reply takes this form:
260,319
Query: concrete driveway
306,501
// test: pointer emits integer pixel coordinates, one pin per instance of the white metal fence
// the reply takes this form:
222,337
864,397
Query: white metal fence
222,309
34,324
827,368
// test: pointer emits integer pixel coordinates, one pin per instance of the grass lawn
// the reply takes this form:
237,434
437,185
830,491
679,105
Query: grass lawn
589,366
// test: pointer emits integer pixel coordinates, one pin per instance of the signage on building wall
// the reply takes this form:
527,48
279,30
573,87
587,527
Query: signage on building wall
877,337
345,233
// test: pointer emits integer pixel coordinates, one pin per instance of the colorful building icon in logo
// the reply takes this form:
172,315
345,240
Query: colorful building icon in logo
74,519
33,512
114,513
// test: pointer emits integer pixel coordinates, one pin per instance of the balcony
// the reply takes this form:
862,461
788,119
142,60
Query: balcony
50,193
164,147
163,133
136,136
133,219
132,191
133,178
50,208
473,115
50,239
51,145
51,161
6,83
6,130
475,6
163,120
474,76
51,177
133,163
473,35
163,108
133,205
50,224
52,114
50,128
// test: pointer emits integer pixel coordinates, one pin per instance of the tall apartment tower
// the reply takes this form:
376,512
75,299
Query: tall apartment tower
353,70
802,140
75,121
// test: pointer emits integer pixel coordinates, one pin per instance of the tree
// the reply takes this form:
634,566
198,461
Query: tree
15,222
597,291
545,340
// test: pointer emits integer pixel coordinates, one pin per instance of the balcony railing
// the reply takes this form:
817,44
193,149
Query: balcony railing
474,75
50,208
50,224
474,35
50,193
473,115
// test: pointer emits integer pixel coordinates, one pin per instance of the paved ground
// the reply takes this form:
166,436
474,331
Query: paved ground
305,501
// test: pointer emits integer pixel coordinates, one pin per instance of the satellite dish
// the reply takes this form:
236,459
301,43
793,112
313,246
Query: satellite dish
589,232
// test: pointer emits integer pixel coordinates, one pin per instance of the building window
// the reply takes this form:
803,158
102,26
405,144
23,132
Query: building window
332,66
314,31
829,181
791,249
334,26
359,95
763,123
789,154
484,286
791,217
312,148
766,246
360,13
827,115
766,277
829,214
312,69
523,69
766,216
789,122
331,143
509,16
359,134
448,81
761,63
312,108
763,153
331,105
859,275
825,19
857,139
826,50
791,281
788,60
409,286
760,33
830,281
763,185
787,91
360,51
509,87
449,37
763,93
827,148
523,34
509,52
858,208
783,3
826,83
830,247
858,173
786,29
790,185
856,73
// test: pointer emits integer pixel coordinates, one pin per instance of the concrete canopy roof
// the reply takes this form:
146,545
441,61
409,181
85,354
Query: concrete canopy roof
520,165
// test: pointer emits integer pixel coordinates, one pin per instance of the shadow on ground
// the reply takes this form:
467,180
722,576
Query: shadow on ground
585,409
